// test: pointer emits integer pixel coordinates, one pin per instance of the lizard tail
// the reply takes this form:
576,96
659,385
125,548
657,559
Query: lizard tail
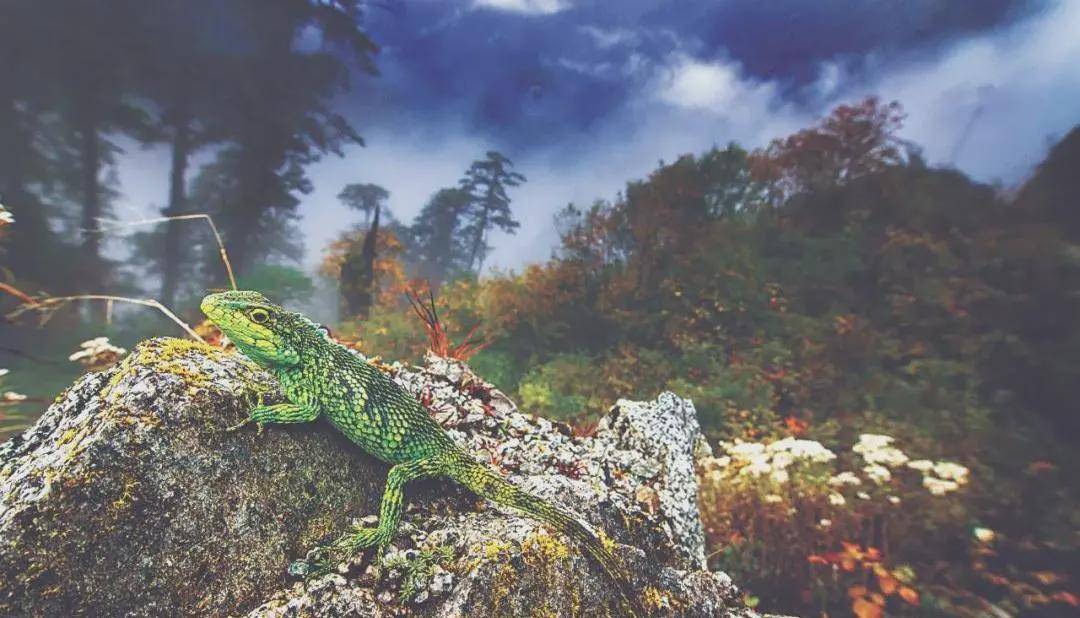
486,483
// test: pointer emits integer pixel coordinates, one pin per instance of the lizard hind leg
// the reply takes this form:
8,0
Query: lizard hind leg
393,500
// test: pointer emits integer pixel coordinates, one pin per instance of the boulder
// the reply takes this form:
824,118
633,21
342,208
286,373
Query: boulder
128,497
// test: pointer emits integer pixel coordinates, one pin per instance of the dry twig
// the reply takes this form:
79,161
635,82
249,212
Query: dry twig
114,224
49,305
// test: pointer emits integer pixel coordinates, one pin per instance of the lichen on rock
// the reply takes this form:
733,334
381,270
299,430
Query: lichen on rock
128,497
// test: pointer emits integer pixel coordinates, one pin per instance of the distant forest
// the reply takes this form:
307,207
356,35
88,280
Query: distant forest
827,285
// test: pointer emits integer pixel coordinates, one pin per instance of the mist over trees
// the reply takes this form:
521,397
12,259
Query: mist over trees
448,238
252,81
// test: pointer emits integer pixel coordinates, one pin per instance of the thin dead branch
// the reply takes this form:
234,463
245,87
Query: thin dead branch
47,306
112,224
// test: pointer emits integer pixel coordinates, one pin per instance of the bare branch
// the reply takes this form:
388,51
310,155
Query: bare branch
112,224
49,305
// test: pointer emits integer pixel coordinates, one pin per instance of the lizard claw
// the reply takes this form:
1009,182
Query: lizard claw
240,425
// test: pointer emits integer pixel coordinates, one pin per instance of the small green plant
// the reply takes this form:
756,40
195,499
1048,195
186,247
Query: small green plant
418,571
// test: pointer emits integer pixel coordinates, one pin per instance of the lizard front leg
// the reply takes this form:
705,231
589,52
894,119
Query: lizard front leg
278,414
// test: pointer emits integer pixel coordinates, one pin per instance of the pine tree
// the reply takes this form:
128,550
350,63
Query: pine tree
486,182
437,245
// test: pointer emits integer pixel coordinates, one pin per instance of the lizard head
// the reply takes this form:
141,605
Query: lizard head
263,331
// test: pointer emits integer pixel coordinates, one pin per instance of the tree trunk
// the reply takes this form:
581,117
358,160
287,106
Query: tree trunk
357,280
367,275
172,251
477,256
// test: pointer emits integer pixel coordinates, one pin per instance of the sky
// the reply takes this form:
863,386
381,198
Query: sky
585,95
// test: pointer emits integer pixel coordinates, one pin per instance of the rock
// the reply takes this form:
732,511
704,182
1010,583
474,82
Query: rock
129,498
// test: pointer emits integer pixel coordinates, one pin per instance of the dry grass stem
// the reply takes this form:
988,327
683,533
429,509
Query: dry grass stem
49,305
111,224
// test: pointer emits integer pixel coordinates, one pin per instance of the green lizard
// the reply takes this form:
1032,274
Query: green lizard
322,378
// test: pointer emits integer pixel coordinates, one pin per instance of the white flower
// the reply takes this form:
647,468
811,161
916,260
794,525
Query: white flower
758,467
98,346
780,476
722,462
773,499
743,450
4,372
782,460
951,471
889,456
825,523
894,499
871,441
875,449
939,487
984,535
836,499
922,465
809,450
862,495
878,474
845,478
5,216
13,396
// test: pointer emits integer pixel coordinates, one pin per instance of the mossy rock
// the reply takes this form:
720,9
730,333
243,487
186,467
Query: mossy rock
128,497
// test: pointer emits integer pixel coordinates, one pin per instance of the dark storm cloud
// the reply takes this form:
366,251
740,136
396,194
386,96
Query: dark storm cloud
787,39
527,77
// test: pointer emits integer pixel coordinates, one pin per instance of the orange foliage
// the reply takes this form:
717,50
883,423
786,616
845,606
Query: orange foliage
392,281
853,141
439,340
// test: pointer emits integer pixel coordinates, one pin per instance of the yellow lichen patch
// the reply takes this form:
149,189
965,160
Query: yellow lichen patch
501,584
605,540
656,599
127,495
66,437
488,551
494,548
545,553
542,548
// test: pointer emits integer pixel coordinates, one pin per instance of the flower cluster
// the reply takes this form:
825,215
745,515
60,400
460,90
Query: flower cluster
6,218
755,460
879,454
940,478
97,353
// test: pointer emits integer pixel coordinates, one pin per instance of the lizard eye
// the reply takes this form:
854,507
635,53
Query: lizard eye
259,316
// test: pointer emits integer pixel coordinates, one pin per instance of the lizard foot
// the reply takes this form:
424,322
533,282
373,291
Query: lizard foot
360,538
322,559
254,401
244,422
